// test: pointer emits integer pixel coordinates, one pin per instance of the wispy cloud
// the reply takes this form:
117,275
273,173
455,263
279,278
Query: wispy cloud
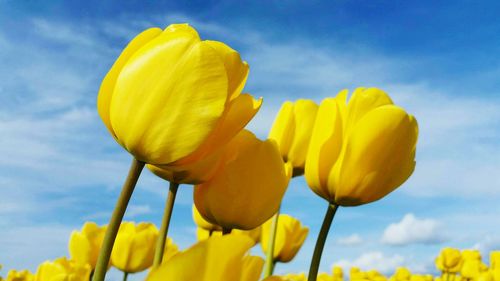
351,240
411,230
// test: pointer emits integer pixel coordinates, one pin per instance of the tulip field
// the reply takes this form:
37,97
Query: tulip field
176,104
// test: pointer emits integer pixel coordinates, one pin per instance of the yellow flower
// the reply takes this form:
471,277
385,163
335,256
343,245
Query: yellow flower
248,188
472,268
215,259
203,223
337,273
449,260
292,130
84,246
290,235
62,269
172,99
401,274
134,247
495,259
361,151
23,275
356,274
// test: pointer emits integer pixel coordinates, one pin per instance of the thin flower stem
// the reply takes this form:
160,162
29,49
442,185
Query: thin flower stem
162,237
116,219
226,231
320,243
270,263
125,276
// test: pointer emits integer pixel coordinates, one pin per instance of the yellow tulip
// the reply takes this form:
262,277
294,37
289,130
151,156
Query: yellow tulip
292,130
202,223
361,151
214,259
248,188
495,259
356,274
290,235
23,275
134,247
472,268
449,260
62,269
402,274
337,273
172,99
84,245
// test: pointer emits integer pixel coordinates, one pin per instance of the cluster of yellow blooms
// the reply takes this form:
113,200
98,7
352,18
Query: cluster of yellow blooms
175,103
226,258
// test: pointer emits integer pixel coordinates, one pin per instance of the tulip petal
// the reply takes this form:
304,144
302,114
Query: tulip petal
248,189
172,81
305,114
217,258
252,268
325,146
192,173
283,128
361,102
237,115
237,70
108,84
378,157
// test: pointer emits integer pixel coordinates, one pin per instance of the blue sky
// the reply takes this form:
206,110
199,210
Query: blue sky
440,61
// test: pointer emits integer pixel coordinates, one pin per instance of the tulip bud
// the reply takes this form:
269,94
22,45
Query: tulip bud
62,269
247,190
84,245
337,273
292,130
449,260
171,99
134,247
290,235
402,274
361,151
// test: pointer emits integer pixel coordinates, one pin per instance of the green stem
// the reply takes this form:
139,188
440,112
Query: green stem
320,243
226,231
115,221
162,237
270,263
125,276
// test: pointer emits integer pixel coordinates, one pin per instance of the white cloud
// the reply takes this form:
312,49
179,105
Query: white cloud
351,240
411,230
373,260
